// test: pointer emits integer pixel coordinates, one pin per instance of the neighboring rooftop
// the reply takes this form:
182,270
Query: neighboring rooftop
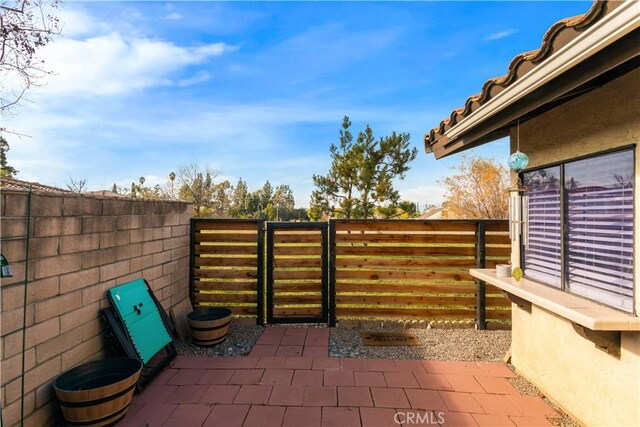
577,54
18,184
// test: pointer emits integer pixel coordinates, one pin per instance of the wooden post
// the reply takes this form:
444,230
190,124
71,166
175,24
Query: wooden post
481,309
332,273
260,274
192,262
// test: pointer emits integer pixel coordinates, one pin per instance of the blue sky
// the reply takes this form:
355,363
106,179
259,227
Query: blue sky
258,89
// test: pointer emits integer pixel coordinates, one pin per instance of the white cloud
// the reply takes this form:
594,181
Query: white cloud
424,194
200,77
500,34
114,64
174,16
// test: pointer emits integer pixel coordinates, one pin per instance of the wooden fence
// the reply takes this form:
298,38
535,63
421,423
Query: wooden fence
377,269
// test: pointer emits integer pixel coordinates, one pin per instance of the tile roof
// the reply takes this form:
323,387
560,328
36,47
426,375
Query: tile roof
17,184
558,35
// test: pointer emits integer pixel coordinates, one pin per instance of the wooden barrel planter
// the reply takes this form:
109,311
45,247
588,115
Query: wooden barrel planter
209,326
97,393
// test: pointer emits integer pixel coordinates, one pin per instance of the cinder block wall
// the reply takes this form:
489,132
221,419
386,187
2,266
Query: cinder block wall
79,247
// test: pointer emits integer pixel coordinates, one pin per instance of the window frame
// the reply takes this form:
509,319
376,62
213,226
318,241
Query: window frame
563,223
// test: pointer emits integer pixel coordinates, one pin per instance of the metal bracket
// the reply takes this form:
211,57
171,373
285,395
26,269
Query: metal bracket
607,341
520,302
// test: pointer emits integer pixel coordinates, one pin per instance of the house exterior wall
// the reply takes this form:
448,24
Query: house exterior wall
79,248
591,385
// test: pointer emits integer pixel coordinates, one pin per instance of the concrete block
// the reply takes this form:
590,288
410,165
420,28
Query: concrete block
98,257
141,235
79,279
58,305
47,267
41,332
116,269
79,243
12,297
42,373
129,251
140,263
114,238
81,206
11,412
42,247
162,233
152,247
11,368
15,204
117,207
14,227
56,226
58,345
100,224
42,289
45,205
84,352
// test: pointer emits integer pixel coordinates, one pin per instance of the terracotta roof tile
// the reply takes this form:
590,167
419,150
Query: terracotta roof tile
558,35
17,184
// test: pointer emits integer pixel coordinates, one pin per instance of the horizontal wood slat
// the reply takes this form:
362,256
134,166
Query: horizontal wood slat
297,238
406,275
408,238
280,299
404,313
409,225
297,287
226,286
405,263
405,288
297,274
315,262
229,226
226,262
296,311
226,249
297,250
226,237
213,273
232,298
405,250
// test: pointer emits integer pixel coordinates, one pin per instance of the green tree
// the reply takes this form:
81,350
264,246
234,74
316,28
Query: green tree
222,196
6,171
360,181
197,188
238,208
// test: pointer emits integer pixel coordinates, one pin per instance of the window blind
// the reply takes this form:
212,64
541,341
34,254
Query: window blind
542,251
600,228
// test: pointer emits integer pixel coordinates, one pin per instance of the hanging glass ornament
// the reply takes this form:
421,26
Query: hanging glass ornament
518,161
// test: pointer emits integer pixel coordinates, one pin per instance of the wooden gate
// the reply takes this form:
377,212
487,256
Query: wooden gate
297,272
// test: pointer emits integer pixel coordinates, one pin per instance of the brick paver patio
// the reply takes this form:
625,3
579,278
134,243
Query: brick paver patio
283,383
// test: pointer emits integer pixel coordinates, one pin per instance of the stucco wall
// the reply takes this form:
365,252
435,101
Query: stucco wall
79,248
594,387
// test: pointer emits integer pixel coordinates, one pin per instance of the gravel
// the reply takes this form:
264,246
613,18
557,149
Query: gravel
239,342
437,344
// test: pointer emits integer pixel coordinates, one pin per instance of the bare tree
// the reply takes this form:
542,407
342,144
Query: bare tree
477,190
25,27
77,185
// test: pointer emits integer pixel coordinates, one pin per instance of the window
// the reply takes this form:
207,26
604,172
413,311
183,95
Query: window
592,201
